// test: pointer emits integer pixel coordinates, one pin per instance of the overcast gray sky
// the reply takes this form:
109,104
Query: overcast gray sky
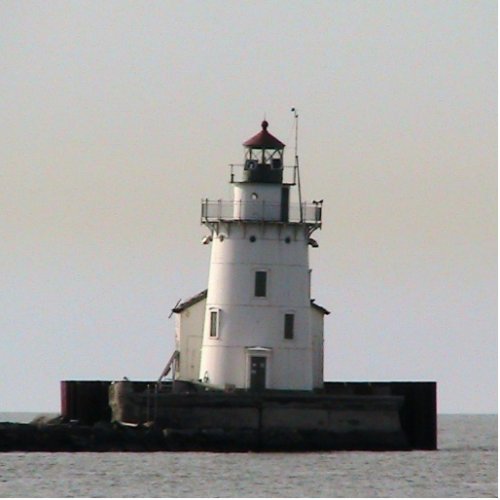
119,116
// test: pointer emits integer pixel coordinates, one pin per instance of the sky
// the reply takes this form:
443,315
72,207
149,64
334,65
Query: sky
118,117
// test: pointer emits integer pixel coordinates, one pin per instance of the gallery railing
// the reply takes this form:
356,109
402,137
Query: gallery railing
220,210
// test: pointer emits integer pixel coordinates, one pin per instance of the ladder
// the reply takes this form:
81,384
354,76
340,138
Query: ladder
172,362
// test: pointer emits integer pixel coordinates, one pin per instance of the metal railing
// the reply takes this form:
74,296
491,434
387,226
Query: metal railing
220,210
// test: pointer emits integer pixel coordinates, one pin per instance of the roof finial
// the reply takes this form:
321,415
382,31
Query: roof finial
264,125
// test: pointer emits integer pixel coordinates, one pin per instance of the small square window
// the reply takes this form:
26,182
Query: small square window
260,283
289,320
214,324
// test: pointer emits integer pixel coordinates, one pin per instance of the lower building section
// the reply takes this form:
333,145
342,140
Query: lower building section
290,341
256,368
344,415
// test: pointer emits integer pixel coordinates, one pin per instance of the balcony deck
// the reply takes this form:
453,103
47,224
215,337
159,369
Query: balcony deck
260,211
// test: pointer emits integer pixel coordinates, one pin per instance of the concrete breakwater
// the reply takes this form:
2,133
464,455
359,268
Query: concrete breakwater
344,416
114,437
128,416
273,420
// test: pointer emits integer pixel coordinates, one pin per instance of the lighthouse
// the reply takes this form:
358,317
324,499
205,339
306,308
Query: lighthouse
256,326
247,369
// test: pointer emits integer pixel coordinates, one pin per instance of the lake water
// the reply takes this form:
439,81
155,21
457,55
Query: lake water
466,465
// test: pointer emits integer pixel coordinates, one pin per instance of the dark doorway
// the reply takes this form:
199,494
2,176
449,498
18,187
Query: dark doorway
257,373
285,201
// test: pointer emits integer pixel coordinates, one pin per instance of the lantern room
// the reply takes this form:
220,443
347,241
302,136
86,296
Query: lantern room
263,158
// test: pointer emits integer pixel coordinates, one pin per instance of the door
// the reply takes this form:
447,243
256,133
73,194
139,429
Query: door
285,201
257,373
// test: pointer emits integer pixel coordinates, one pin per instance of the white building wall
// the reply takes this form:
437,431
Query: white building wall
249,321
189,333
257,201
188,340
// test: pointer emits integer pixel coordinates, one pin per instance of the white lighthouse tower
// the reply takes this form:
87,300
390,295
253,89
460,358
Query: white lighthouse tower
256,328
260,329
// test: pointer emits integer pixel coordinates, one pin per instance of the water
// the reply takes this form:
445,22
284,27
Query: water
464,466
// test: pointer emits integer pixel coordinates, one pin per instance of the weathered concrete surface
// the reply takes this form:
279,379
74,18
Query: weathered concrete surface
345,415
277,421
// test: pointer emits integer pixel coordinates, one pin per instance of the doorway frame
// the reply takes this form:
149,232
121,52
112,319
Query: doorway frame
262,352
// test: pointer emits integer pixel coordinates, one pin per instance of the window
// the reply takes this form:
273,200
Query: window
214,324
250,164
289,319
276,163
260,283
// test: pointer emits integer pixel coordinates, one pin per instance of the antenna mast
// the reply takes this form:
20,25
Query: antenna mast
296,117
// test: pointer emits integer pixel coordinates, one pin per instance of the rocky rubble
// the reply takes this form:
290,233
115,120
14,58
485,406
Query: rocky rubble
59,436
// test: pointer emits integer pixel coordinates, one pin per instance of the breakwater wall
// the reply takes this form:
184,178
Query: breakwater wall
344,415
270,420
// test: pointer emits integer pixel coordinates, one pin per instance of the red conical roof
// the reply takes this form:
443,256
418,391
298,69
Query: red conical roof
264,140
